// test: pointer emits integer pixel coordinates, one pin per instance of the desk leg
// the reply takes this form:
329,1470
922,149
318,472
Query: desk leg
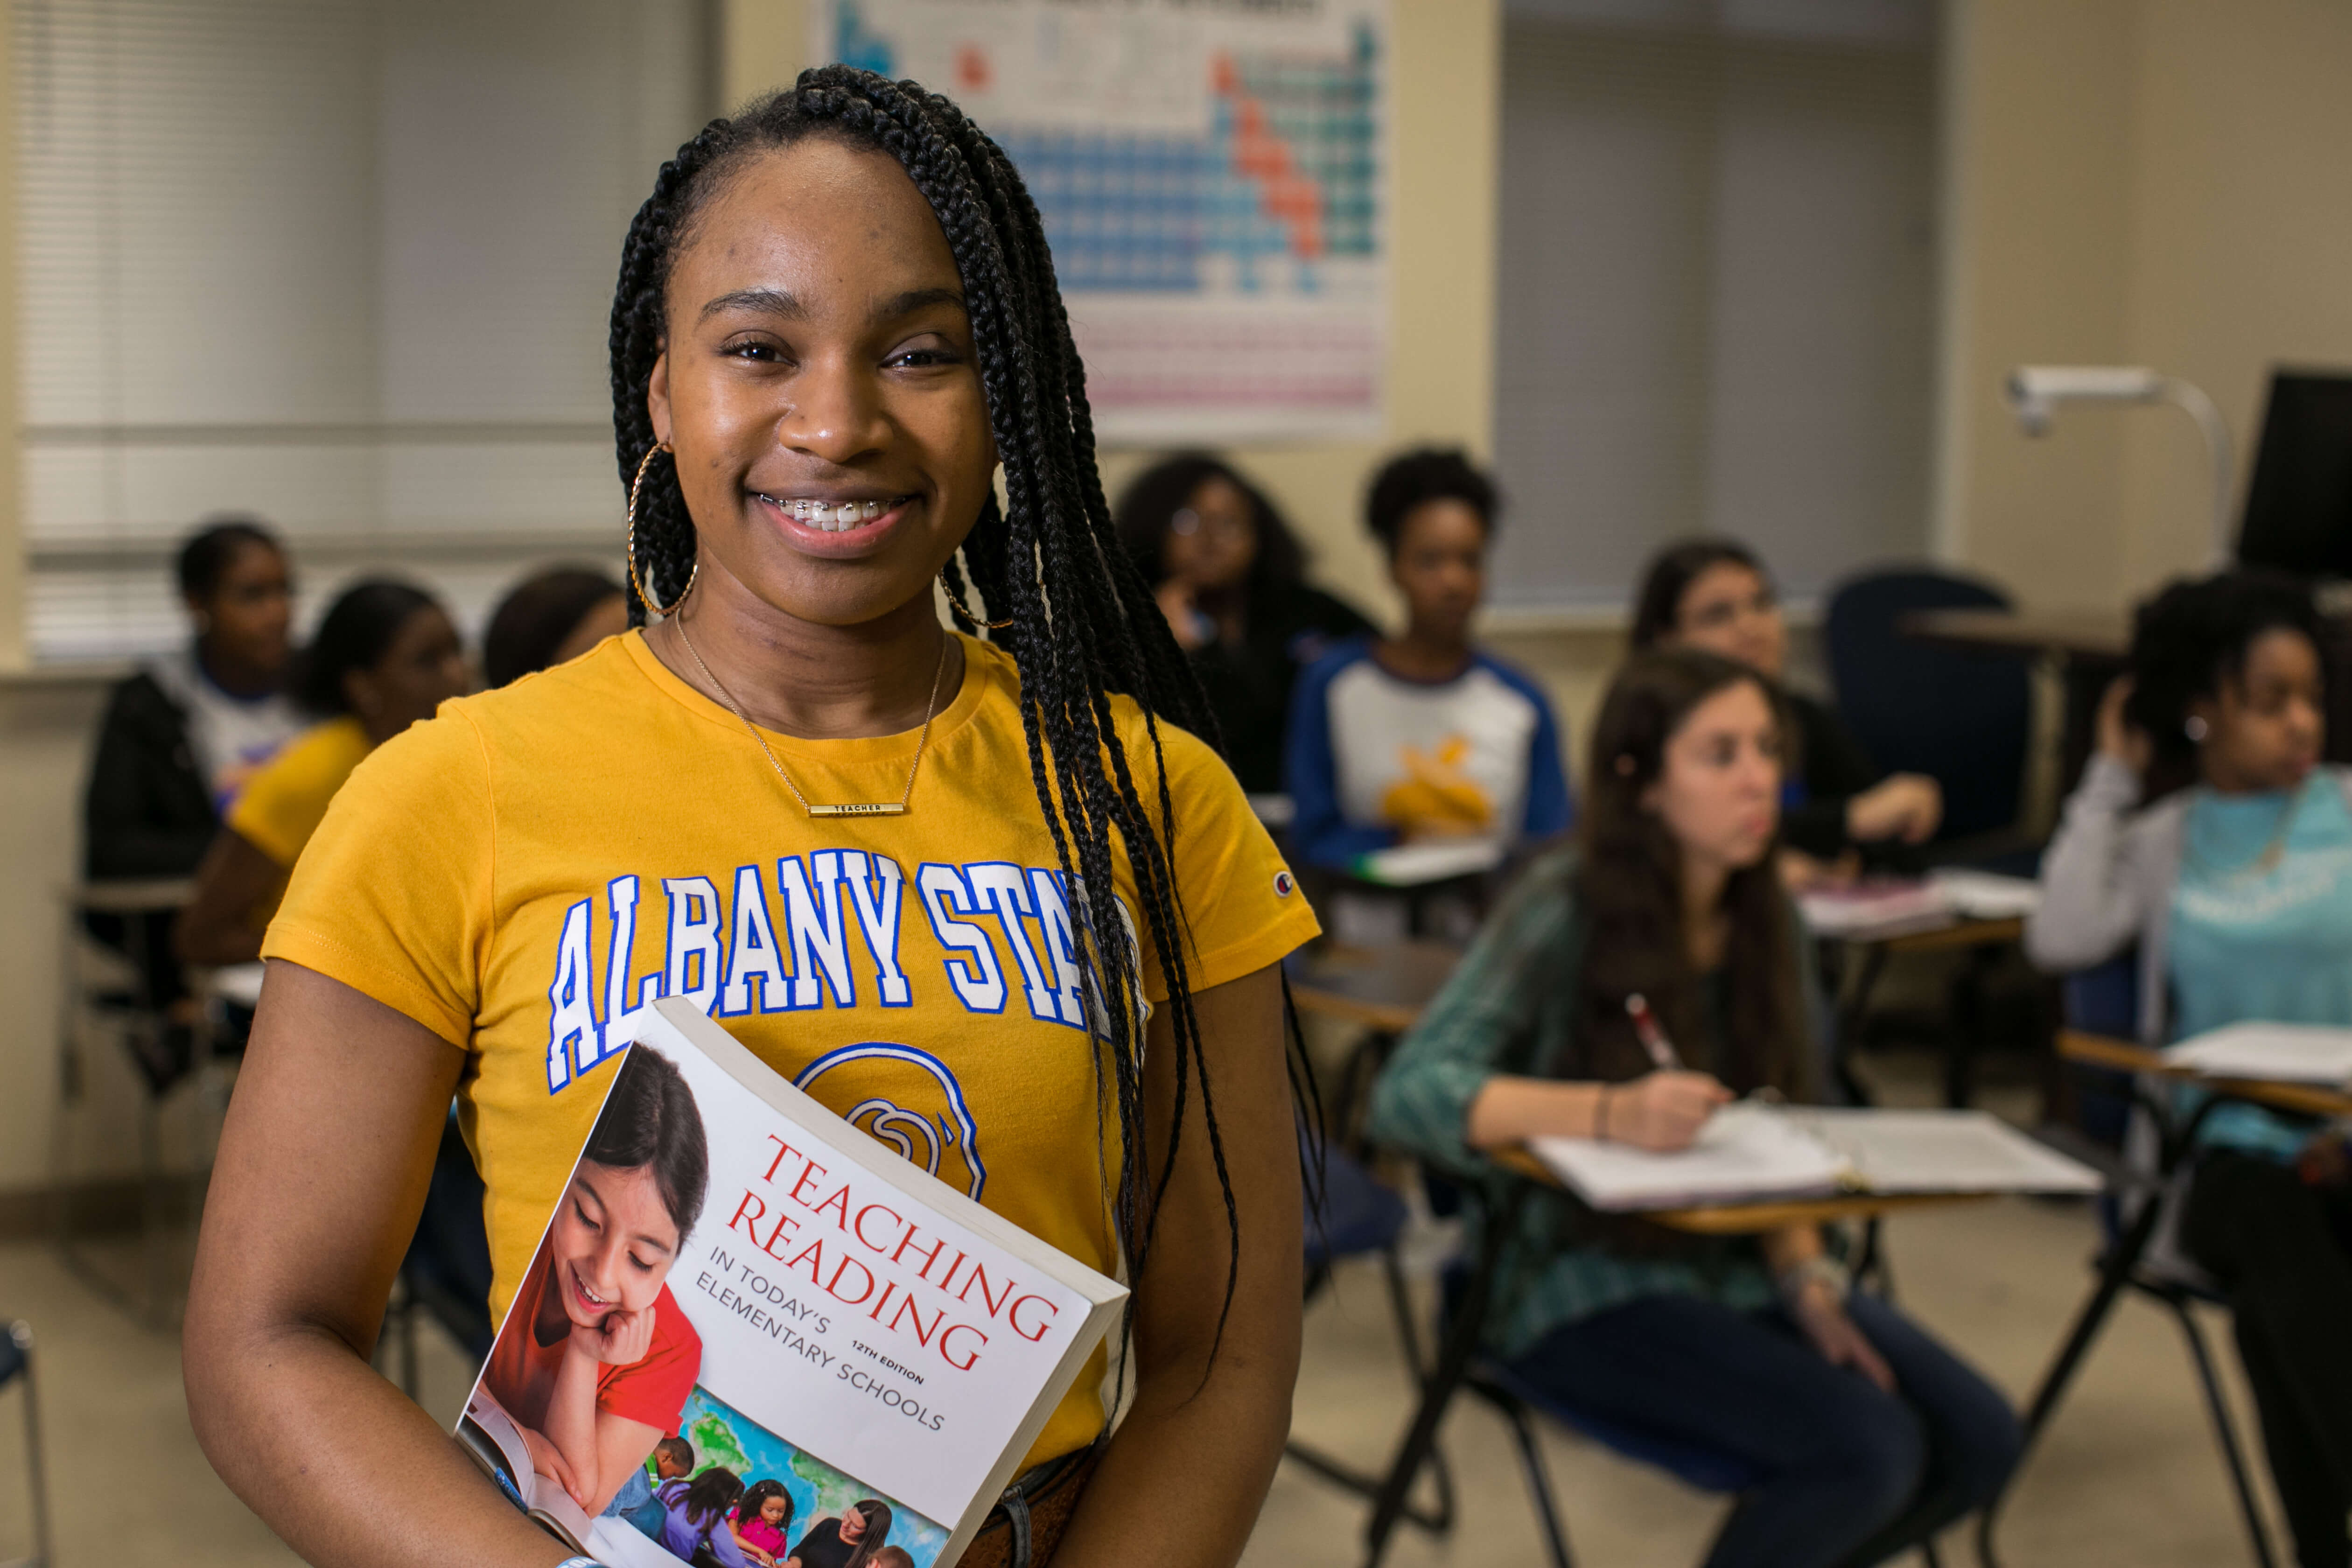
1461,1342
1851,1016
2117,1270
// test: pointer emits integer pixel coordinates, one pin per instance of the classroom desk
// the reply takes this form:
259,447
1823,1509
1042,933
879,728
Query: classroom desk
1384,987
1754,1219
2089,648
2126,1056
2119,1263
1458,1348
2086,648
1963,933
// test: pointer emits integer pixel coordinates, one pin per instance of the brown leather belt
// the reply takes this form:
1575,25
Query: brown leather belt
1027,1524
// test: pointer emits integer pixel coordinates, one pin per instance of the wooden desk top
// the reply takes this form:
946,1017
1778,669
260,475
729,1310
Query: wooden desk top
2084,634
1751,1219
1385,987
1961,932
2130,1056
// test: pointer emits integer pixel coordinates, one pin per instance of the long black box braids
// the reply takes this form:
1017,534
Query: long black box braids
1084,622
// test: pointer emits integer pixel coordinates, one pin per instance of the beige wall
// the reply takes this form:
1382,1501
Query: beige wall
1445,58
2142,182
2126,180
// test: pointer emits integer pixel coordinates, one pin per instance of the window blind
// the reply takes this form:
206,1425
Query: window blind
344,264
1715,296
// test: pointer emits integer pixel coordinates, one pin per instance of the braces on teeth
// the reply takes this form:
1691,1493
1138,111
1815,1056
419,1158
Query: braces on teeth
848,515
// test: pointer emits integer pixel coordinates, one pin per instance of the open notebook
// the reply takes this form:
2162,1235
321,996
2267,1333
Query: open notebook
2283,1053
1751,1153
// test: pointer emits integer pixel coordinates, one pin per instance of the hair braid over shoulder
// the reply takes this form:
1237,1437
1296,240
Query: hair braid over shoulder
1084,622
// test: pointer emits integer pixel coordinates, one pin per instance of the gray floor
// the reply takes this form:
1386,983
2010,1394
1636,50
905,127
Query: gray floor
2128,1475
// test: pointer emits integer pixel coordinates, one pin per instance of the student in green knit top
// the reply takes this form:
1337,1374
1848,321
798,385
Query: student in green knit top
1867,1432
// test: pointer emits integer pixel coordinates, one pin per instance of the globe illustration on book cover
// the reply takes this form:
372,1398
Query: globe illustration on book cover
721,1435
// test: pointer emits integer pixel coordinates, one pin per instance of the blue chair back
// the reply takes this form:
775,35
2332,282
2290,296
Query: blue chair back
448,1262
1962,717
2104,1000
1359,1215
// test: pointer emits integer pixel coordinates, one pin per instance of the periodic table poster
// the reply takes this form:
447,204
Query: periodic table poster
1213,176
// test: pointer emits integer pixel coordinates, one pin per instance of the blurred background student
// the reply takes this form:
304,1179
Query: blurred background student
550,618
386,655
1837,805
2206,831
181,736
1423,736
1867,1433
1229,577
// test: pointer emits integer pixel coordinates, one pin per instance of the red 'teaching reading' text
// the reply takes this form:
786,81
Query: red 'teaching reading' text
953,1326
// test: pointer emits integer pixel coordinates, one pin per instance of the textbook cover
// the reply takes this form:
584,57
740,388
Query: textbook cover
751,1332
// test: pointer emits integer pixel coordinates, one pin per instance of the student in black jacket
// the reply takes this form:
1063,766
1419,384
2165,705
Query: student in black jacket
182,734
1229,575
1714,593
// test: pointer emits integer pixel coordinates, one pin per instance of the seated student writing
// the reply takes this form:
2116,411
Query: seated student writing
1714,593
385,656
596,1359
1231,578
1867,1434
2207,832
1423,736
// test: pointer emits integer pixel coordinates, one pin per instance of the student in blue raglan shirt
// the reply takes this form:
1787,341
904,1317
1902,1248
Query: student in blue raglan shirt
1423,736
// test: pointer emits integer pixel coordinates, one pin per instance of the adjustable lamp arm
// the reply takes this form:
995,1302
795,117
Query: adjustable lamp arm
2034,391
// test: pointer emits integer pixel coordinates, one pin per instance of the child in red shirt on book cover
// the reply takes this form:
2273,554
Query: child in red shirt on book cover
597,1358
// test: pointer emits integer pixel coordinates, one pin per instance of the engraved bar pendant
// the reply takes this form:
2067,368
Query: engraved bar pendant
862,808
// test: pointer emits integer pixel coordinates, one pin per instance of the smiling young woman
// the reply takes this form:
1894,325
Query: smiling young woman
1036,951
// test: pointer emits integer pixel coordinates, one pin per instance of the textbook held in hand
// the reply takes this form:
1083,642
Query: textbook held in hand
752,1331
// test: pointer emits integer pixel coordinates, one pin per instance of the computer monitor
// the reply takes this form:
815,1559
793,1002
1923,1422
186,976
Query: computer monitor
2299,503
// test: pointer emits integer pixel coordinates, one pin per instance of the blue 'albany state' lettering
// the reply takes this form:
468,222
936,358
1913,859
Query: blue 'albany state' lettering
753,951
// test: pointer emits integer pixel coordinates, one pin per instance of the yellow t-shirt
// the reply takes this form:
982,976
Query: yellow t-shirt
536,862
286,798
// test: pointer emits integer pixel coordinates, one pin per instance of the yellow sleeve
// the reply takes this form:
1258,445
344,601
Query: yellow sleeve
282,804
393,897
1242,907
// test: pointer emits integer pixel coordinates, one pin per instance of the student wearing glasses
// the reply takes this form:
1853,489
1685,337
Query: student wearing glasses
1837,805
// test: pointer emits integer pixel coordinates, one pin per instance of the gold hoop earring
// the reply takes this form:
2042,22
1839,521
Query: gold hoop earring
965,610
635,486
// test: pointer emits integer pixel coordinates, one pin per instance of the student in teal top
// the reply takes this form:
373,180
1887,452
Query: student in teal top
1867,1432
2236,886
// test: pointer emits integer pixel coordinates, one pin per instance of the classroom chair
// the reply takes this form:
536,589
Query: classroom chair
1964,719
2135,1248
16,1368
1517,1401
1352,1215
106,1008
445,1273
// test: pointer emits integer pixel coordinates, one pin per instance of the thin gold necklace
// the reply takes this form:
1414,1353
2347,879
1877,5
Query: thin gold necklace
2273,852
849,808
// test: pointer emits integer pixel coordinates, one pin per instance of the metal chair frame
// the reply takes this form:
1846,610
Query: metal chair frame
1455,1369
2122,1266
1438,1518
85,1012
20,1335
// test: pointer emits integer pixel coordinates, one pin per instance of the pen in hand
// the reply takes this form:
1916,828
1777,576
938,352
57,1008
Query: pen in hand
1654,1038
